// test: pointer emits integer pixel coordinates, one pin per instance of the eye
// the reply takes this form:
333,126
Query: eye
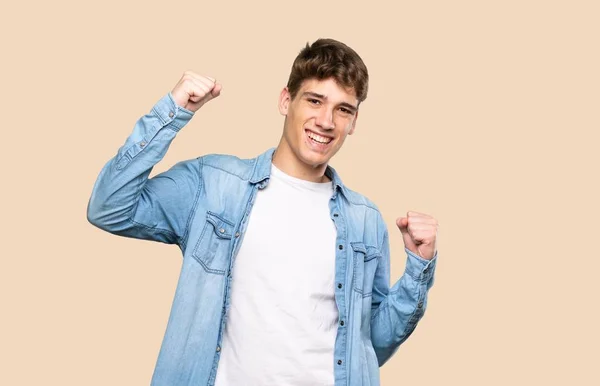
314,101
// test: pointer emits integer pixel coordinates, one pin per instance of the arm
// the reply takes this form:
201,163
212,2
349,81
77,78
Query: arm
124,201
397,310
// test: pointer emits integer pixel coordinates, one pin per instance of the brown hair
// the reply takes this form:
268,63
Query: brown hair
329,58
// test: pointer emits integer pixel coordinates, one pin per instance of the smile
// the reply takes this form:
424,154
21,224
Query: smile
318,138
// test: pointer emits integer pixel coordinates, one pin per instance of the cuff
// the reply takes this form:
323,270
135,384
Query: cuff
419,268
171,114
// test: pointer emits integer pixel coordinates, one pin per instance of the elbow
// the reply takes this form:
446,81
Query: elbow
384,354
109,217
95,217
101,216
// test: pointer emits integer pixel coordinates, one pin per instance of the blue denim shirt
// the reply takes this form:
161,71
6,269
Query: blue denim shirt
202,205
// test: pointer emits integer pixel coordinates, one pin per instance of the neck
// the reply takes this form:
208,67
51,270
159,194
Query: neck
286,161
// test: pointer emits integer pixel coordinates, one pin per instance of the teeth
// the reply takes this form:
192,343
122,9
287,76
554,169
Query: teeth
318,138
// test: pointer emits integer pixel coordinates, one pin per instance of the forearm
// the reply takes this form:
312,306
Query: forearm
122,181
397,315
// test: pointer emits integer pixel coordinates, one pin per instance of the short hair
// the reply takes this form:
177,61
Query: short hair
329,58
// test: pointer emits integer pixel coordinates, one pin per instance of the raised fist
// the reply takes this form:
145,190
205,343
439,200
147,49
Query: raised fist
193,90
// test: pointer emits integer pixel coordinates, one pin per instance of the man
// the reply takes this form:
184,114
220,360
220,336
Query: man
286,271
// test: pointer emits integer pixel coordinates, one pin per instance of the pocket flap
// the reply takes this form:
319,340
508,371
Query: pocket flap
369,252
359,247
222,227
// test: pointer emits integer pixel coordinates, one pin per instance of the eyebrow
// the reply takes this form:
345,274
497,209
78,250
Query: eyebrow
321,96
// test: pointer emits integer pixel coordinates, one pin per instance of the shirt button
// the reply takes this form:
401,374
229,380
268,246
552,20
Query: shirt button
339,285
237,234
171,114
420,305
335,215
218,348
142,144
342,323
222,230
341,247
340,362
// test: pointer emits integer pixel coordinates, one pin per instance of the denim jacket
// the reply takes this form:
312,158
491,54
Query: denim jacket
202,205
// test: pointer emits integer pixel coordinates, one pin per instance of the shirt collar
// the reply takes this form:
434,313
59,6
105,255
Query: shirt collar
262,172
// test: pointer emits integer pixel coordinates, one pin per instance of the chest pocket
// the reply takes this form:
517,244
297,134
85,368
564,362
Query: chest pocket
212,247
365,264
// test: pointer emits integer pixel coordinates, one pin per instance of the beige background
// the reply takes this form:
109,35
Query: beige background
484,115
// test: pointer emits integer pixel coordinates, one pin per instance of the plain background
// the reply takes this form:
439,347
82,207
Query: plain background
483,114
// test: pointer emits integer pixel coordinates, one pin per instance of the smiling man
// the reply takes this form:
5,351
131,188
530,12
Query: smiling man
286,271
319,116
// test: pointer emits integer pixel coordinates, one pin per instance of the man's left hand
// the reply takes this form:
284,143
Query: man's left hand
419,232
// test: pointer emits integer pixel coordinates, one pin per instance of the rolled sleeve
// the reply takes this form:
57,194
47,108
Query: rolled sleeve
171,114
419,268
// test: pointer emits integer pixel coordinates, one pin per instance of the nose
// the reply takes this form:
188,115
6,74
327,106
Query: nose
325,119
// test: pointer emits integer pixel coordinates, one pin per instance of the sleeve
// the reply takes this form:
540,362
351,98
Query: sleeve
125,202
397,310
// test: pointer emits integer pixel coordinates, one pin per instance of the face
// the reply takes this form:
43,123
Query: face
317,121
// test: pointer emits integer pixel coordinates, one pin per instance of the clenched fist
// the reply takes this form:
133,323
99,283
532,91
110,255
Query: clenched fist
419,232
193,90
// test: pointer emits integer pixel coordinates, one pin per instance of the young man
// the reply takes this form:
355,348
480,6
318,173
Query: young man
286,271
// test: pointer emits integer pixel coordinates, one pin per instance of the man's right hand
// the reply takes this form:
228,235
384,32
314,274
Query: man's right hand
193,90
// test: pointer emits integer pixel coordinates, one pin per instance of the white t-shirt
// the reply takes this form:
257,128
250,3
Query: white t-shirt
282,320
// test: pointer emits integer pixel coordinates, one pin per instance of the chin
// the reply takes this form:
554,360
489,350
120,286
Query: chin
313,159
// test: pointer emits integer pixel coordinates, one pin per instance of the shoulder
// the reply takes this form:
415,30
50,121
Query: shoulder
367,213
360,200
227,163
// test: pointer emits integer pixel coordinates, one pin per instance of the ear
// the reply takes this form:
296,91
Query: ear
284,101
353,124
